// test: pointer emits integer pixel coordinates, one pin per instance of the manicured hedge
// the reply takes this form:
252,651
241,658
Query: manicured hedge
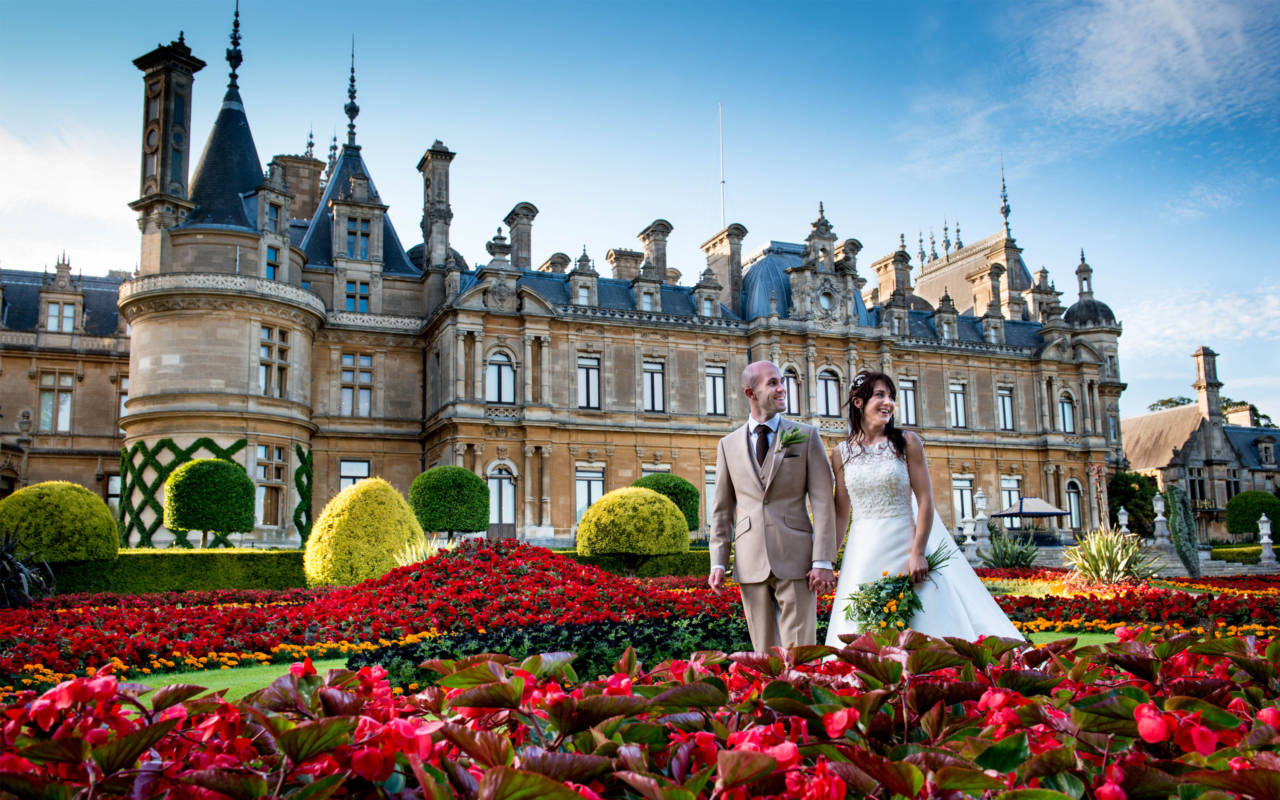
694,562
139,571
358,535
450,499
208,494
1244,509
1241,554
59,521
678,490
633,521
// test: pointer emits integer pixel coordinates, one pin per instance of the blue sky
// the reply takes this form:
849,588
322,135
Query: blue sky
1144,132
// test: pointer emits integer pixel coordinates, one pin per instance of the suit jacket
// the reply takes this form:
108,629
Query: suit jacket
760,512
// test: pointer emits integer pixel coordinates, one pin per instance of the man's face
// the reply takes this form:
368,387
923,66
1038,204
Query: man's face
768,393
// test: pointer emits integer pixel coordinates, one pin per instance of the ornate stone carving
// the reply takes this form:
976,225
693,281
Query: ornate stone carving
214,282
383,322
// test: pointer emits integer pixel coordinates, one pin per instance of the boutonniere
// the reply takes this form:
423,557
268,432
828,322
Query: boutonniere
791,436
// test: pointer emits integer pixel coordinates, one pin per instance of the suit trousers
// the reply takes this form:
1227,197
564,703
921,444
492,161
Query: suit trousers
780,613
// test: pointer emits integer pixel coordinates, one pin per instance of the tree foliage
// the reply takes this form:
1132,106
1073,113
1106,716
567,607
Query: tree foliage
213,495
678,490
59,521
450,499
1170,402
1134,492
1182,529
632,521
358,534
1244,509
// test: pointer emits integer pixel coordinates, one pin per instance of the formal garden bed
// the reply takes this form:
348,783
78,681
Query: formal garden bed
1182,704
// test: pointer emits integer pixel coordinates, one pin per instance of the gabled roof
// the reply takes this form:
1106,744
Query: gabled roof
1244,441
21,310
318,241
1150,439
228,169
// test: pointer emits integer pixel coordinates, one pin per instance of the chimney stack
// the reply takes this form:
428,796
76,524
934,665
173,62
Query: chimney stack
724,259
1207,383
654,238
520,221
436,211
625,263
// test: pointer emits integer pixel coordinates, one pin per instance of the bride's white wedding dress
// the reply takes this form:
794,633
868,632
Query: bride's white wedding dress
954,599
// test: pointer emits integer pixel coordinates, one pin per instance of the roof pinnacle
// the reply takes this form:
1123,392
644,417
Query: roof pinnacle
351,108
1004,201
234,57
311,143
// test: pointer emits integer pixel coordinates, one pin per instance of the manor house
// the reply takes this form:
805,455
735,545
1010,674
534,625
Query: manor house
277,318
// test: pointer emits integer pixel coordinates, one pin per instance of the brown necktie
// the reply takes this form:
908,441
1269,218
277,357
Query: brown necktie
762,443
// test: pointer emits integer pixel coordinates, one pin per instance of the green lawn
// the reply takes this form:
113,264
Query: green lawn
242,680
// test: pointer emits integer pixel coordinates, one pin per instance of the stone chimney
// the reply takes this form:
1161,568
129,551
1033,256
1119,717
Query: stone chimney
557,263
520,221
436,211
654,239
1207,384
625,263
1240,415
724,259
893,273
302,174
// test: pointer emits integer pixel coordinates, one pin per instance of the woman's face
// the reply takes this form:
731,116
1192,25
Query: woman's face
880,405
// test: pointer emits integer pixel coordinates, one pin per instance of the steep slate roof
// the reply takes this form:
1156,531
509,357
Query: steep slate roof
228,168
765,278
21,311
1088,311
1150,439
1245,442
318,241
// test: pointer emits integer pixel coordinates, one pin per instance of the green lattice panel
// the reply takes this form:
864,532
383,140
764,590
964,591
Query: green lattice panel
134,462
302,482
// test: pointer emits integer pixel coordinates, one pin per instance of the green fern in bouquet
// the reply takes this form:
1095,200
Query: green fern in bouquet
891,601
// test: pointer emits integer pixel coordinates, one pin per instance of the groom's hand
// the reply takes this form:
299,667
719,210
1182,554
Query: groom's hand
821,580
716,580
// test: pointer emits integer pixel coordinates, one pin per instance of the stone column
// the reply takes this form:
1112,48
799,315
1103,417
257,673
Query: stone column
459,454
544,370
1093,521
477,461
811,373
546,484
530,510
477,376
460,365
1163,542
1052,402
528,370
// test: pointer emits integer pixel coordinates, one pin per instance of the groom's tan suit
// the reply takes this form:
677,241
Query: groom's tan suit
760,515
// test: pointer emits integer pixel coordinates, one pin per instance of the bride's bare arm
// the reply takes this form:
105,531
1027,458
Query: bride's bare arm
841,497
922,488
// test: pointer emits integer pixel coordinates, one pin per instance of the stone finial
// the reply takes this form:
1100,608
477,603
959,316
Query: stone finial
352,110
234,57
310,152
946,238
959,244
933,248
1005,208
920,252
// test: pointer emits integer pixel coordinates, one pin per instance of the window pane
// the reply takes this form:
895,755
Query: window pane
365,397
906,410
64,412
46,410
347,401
55,313
491,383
68,317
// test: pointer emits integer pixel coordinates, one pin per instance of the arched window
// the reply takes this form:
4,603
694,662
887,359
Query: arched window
1074,508
1067,413
502,500
828,393
792,380
500,380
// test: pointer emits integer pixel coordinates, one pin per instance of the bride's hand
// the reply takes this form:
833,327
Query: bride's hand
917,567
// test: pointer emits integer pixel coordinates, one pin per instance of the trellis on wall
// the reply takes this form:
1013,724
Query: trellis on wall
162,458
302,482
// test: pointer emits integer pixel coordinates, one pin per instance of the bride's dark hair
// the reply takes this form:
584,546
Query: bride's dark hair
862,387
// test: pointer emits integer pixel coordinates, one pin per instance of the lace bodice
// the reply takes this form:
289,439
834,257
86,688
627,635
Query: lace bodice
877,481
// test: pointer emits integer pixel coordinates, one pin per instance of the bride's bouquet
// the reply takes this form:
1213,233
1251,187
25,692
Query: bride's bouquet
891,601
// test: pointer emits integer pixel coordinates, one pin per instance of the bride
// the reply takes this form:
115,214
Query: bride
877,471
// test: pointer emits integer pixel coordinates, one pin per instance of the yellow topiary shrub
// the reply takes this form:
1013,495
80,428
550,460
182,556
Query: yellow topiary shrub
358,535
633,522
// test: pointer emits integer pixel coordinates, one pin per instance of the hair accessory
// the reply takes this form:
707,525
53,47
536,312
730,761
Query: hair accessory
859,379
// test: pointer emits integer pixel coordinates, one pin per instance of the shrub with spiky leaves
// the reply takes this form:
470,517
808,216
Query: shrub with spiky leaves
24,578
1009,551
1106,555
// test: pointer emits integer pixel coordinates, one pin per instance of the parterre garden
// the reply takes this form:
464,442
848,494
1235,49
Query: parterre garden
500,670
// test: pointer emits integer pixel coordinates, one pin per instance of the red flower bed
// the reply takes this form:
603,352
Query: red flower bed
888,716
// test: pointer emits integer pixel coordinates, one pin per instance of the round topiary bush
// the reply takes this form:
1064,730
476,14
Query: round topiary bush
1244,509
632,522
450,499
678,491
59,521
358,534
211,495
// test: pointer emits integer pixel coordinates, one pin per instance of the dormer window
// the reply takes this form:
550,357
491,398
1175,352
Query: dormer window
646,301
707,307
1267,453
273,217
358,239
358,297
62,318
273,263
584,296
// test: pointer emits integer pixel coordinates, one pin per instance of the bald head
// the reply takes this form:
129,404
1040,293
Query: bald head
765,389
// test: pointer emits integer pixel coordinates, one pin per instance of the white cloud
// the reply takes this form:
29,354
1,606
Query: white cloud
68,191
1150,63
1199,200
1175,322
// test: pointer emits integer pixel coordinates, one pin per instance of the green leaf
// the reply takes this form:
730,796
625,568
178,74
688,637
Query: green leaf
320,789
627,663
765,663
237,784
173,694
1033,794
480,674
645,733
310,739
486,747
857,781
1050,762
1214,716
505,783
1145,781
805,653
71,750
1174,645
896,776
1005,755
965,779
591,711
550,665
1261,784
1261,671
933,657
1028,682
1065,782
736,767
29,787
650,789
490,695
575,767
1220,647
692,695
123,752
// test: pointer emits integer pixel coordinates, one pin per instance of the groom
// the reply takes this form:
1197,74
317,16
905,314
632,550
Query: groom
764,471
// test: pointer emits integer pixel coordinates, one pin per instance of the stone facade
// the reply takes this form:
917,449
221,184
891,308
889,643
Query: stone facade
278,316
1212,456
